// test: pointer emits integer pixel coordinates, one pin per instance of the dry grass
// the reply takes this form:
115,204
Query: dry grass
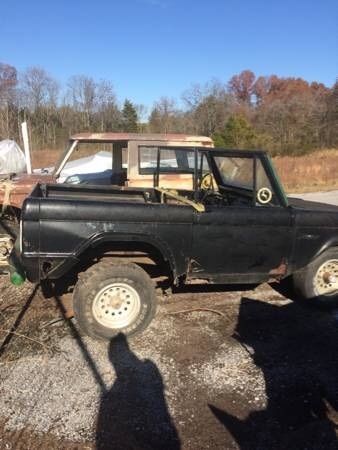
313,172
45,158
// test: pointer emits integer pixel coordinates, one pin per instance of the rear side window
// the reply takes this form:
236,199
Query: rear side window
147,159
172,160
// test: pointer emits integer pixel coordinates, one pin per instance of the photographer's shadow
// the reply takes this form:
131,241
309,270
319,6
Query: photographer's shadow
133,414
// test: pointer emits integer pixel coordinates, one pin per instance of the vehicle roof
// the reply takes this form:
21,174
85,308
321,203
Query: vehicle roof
115,137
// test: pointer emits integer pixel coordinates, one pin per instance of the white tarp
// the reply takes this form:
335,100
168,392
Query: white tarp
99,162
12,158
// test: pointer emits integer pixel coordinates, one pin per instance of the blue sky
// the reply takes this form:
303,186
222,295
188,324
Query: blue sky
151,48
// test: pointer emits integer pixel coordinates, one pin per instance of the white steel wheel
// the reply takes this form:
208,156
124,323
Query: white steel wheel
116,305
325,281
110,299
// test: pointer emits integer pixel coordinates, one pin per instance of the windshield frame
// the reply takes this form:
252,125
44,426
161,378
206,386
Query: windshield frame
64,158
255,155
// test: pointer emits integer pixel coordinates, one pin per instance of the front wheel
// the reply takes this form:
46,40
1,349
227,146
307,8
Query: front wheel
318,281
110,299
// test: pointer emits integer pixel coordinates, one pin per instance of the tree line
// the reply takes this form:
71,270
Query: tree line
283,115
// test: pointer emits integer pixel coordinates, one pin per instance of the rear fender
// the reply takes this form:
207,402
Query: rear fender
66,264
157,243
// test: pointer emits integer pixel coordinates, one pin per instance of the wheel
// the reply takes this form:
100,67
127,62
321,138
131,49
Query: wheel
318,281
109,299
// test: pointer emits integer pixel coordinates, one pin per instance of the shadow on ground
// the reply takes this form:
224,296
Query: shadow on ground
296,349
133,413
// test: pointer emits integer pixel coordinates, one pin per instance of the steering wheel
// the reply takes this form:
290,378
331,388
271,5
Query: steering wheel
264,195
207,183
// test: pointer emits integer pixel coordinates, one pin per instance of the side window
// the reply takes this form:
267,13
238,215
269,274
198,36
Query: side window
168,160
264,190
237,178
236,171
147,159
172,160
204,167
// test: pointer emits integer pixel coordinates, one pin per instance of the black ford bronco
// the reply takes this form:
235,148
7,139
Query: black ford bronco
229,222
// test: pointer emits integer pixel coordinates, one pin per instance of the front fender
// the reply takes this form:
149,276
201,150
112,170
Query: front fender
333,242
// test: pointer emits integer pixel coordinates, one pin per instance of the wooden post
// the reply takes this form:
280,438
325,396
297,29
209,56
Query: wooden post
26,146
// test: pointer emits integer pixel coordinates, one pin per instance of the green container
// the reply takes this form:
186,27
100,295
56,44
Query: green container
17,279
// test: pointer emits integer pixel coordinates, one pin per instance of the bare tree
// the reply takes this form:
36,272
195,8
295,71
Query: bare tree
38,88
8,109
208,106
108,113
8,82
162,116
82,92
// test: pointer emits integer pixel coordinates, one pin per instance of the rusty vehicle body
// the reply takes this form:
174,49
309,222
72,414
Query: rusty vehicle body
233,225
125,158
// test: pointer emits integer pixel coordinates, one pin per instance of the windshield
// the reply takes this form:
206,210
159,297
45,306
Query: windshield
236,171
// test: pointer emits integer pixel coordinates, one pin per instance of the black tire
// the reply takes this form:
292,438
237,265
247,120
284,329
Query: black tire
104,283
304,280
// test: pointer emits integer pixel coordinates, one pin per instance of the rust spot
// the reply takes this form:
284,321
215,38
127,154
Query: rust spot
67,303
194,266
118,137
278,272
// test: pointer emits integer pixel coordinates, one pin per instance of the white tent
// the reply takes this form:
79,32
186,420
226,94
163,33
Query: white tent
12,158
99,162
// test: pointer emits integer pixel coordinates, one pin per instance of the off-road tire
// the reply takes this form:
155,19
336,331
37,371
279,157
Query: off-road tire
104,274
304,281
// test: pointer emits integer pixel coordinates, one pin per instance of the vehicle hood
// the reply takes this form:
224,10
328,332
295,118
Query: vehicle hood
30,179
14,189
308,205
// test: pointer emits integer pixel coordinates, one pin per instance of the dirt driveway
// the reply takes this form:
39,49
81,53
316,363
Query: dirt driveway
255,371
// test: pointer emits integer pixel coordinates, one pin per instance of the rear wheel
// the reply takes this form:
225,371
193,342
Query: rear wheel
318,281
110,299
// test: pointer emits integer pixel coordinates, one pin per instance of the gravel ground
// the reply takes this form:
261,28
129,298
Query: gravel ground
262,375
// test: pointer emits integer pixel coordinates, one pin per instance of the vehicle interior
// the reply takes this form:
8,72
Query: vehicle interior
212,178
217,177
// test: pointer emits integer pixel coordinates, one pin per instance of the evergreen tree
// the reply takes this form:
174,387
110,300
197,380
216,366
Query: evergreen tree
238,133
129,117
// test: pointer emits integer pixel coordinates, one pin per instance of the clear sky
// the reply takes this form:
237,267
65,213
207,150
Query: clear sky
151,48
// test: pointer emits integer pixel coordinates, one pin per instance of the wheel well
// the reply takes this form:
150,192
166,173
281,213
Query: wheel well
145,255
324,249
137,252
